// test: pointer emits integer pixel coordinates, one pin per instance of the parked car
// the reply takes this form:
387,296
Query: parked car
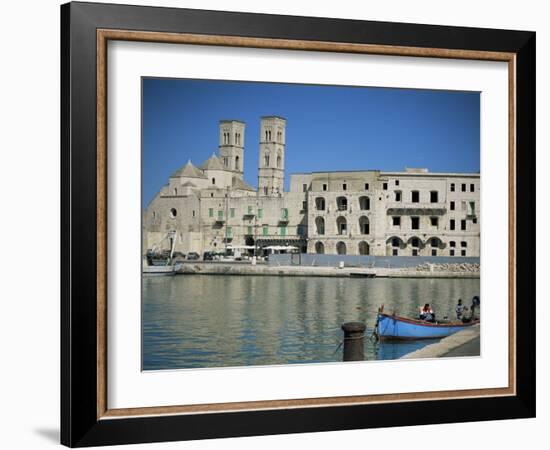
208,256
193,255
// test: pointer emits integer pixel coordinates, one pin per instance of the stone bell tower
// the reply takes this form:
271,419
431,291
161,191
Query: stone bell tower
231,145
271,170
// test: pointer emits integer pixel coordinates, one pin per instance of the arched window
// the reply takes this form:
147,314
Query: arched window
320,203
173,213
266,135
364,203
266,159
213,181
320,225
341,248
342,203
364,225
279,160
237,163
319,248
341,225
395,242
175,191
364,248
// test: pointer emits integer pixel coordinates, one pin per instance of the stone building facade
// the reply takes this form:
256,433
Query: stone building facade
364,212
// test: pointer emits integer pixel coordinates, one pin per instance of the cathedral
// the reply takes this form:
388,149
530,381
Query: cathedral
357,212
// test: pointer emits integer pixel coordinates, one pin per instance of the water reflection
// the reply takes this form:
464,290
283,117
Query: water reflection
194,321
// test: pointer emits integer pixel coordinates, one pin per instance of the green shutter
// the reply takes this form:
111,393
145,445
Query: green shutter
232,212
260,213
220,214
250,230
284,213
265,230
283,231
229,232
210,212
250,210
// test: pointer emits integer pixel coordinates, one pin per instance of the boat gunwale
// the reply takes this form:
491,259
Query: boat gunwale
429,324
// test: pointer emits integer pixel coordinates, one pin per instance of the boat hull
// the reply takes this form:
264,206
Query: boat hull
400,328
161,270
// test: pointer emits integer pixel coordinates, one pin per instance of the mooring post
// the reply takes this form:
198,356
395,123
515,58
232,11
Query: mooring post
354,334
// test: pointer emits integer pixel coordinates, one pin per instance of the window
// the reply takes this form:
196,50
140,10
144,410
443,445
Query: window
220,214
364,203
284,213
396,221
463,244
213,181
415,252
229,232
175,191
397,182
452,187
265,190
320,204
364,225
395,252
434,242
341,225
463,225
397,196
434,252
282,231
250,210
266,159
452,252
301,230
265,230
324,187
250,230
211,194
366,186
433,197
173,213
304,187
304,206
452,206
472,208
154,214
452,244
237,163
395,242
279,160
210,212
434,221
463,188
232,212
415,223
260,213
342,203
320,225
344,187
452,224
385,186
193,213
462,252
415,196
474,220
472,187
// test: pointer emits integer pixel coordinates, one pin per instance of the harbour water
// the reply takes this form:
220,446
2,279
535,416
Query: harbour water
193,321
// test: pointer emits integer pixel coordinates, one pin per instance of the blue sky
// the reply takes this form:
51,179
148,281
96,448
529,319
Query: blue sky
328,127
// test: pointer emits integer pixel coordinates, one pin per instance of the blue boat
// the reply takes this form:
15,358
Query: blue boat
402,328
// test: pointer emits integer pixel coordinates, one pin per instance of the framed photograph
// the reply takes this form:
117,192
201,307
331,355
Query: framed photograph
276,224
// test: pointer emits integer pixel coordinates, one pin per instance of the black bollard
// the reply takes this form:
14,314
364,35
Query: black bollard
354,334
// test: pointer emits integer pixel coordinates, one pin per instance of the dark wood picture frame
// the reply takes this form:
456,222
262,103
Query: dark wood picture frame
85,418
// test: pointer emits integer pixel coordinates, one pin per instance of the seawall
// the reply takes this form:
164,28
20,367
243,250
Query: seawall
224,268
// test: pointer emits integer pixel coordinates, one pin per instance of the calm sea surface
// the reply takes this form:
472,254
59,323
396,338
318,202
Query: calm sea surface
192,321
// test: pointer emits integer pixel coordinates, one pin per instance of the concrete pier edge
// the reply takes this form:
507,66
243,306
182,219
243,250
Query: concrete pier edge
447,346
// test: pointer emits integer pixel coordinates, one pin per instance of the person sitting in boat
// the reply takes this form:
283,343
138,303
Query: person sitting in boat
427,313
460,308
